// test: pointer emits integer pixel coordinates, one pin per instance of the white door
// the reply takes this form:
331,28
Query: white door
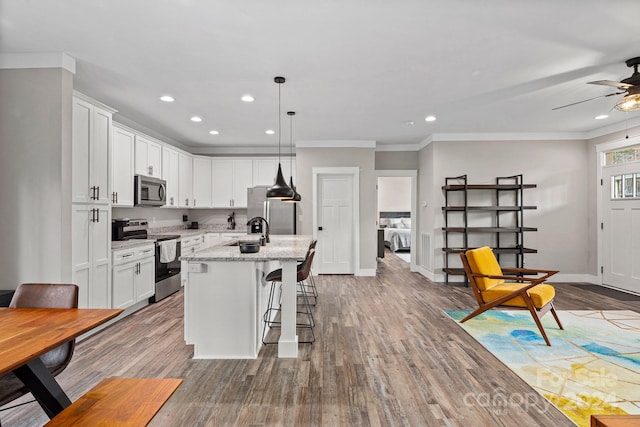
336,224
621,228
185,181
201,182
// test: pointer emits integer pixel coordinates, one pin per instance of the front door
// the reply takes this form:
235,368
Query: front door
335,221
621,226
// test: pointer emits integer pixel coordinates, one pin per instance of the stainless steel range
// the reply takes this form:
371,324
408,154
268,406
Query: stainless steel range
167,247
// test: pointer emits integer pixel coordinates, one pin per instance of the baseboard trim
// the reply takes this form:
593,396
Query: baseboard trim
366,272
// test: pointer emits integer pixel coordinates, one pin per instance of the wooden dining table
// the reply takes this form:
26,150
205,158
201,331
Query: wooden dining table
28,333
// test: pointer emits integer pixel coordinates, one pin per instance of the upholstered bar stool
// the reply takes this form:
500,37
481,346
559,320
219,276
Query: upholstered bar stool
275,277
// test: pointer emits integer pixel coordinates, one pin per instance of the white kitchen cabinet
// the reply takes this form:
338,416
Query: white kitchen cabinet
170,168
133,275
91,252
90,152
266,168
122,155
185,180
202,182
230,180
148,157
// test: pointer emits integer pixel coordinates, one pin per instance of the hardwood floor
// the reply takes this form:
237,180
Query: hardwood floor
386,354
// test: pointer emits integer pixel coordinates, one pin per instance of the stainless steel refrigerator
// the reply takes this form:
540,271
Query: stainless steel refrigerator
280,215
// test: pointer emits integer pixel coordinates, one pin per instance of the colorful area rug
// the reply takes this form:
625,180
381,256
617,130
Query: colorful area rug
592,367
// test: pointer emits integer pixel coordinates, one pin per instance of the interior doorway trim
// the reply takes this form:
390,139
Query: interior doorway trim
355,175
413,174
601,150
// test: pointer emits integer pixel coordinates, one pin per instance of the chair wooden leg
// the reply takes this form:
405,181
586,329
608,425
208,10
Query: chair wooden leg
473,314
555,316
536,318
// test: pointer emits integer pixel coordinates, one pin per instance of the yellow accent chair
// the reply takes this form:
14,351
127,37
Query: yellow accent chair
492,288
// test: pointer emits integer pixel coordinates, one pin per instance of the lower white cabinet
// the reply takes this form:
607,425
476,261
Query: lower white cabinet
133,278
91,249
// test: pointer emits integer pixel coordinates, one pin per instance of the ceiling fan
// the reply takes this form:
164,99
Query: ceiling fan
629,86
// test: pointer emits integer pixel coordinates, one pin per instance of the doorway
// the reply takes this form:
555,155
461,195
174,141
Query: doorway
399,209
619,214
335,225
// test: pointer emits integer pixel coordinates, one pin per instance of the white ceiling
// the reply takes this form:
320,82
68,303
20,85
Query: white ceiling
355,69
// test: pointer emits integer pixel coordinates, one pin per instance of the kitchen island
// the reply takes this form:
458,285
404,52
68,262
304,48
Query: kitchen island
225,297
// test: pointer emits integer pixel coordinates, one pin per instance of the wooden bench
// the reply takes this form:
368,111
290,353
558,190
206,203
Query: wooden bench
118,401
615,420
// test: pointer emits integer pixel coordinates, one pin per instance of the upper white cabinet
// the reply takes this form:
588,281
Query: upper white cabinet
185,180
148,157
122,152
230,180
90,152
202,182
170,166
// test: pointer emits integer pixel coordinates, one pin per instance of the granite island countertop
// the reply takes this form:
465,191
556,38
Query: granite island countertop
279,248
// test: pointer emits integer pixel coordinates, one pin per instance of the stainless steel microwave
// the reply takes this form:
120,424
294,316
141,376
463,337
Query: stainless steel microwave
149,191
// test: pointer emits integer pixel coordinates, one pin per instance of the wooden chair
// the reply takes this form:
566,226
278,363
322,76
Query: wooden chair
41,295
492,288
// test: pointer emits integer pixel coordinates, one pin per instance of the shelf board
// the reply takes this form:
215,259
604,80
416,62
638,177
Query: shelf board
488,229
461,187
487,208
496,250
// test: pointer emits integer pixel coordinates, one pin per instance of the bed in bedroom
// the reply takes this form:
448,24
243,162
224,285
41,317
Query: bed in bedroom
397,230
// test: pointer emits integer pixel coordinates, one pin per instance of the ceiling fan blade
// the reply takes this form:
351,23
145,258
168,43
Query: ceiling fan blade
590,99
619,85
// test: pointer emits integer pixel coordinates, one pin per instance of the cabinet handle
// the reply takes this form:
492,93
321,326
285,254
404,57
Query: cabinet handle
97,215
194,203
92,189
127,255
93,215
98,191
186,201
150,170
113,197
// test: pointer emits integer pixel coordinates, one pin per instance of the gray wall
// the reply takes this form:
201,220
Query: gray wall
364,158
560,170
35,175
396,160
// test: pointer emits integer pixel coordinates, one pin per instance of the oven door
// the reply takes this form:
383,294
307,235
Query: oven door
164,270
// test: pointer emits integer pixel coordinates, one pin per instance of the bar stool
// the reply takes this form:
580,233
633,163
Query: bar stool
275,277
310,284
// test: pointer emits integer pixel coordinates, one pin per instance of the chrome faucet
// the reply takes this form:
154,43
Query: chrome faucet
265,233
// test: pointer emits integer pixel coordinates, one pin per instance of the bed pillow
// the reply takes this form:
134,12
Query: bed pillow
384,222
406,222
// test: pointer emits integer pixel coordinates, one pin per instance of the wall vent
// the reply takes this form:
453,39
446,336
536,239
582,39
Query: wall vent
425,250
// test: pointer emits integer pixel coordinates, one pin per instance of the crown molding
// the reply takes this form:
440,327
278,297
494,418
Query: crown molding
337,143
232,151
37,60
509,136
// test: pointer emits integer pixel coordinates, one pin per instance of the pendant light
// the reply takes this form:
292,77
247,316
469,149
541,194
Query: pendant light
296,196
280,189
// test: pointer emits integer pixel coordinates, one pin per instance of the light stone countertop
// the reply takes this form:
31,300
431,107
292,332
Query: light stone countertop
126,244
280,248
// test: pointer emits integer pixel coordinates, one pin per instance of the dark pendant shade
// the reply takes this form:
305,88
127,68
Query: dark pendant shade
296,196
280,190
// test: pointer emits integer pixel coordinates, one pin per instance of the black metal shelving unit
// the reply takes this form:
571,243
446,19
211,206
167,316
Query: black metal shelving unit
470,222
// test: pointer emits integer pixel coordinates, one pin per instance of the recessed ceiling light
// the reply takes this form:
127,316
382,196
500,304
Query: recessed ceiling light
270,132
248,98
196,119
167,98
601,116
430,119
214,132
